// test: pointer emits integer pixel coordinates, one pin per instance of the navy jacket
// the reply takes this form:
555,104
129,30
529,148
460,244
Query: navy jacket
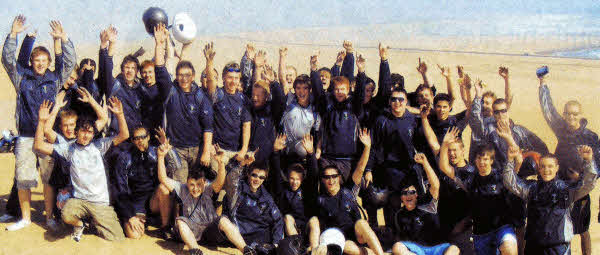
393,140
32,89
264,122
230,113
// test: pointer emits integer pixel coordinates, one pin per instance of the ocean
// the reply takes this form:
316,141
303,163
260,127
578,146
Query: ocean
593,53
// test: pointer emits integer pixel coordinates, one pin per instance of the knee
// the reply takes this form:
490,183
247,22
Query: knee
452,250
399,249
180,224
361,226
289,220
224,224
163,190
313,222
69,218
509,247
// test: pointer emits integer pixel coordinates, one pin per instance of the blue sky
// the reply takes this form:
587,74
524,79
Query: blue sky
83,19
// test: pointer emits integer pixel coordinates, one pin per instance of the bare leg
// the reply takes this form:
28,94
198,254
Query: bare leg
314,232
49,199
352,248
509,248
452,250
586,243
290,225
400,249
232,233
520,233
187,235
364,233
25,202
161,202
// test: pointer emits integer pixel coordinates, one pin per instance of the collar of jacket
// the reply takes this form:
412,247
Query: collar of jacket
48,75
260,194
136,82
194,87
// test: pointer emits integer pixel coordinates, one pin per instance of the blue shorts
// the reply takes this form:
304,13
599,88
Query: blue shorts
426,250
489,243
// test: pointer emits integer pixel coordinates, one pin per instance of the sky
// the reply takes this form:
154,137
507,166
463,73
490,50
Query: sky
83,19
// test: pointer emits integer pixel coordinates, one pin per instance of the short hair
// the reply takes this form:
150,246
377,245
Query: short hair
197,172
573,103
324,69
147,63
551,156
340,80
489,94
259,165
263,85
422,87
85,122
499,101
485,149
398,79
185,64
332,166
302,79
369,81
38,51
230,65
214,69
130,59
293,68
399,89
459,141
442,97
296,167
138,127
67,113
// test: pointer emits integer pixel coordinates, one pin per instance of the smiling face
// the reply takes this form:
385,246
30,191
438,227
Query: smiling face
331,180
302,92
129,72
185,77
409,198
369,91
442,110
501,112
259,96
484,163
295,180
572,115
40,63
340,91
325,79
290,75
398,103
487,110
425,96
67,126
548,168
455,153
72,79
140,139
85,135
231,82
195,186
256,178
148,75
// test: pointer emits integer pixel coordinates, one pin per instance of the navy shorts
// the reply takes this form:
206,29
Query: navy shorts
581,214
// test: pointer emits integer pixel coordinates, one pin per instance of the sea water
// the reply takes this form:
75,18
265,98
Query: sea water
582,53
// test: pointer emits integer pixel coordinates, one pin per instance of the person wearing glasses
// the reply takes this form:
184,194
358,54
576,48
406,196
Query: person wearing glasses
250,206
188,110
418,227
337,207
571,132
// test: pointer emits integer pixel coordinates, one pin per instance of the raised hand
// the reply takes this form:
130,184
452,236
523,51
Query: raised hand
218,154
422,67
503,129
283,51
251,52
466,81
32,33
279,142
314,61
260,58
478,88
163,149
87,65
348,46
307,144
115,105
360,63
112,34
460,71
340,58
84,95
44,111
365,137
445,71
451,135
209,51
18,25
60,101
503,72
160,37
420,158
514,153
383,51
424,110
161,135
104,38
268,74
585,152
57,30
249,158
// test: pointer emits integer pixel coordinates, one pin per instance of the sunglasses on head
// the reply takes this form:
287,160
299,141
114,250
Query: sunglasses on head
408,192
329,177
139,137
236,70
262,177
397,99
500,111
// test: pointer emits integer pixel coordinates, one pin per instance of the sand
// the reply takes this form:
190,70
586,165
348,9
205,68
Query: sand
568,79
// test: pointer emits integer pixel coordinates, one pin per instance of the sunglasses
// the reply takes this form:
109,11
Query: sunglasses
408,192
500,111
397,99
262,177
575,114
329,177
184,75
140,137
237,70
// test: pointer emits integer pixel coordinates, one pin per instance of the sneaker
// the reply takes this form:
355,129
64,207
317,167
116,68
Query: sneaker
196,252
53,225
6,218
19,225
249,251
77,233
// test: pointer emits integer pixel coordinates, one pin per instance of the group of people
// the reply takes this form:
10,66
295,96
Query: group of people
272,156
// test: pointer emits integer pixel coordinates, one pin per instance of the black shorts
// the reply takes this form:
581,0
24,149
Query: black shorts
581,214
559,249
141,202
208,234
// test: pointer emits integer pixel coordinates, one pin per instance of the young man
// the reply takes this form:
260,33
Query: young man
138,191
251,208
549,199
88,176
571,131
33,85
188,110
199,221
490,204
152,106
338,207
417,227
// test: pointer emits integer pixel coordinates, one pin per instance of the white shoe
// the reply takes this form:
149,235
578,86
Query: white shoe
53,225
6,218
19,225
77,233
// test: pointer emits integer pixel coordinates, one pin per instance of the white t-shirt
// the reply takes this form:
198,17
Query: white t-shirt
88,174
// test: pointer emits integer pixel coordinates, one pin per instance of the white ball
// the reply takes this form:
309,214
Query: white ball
183,28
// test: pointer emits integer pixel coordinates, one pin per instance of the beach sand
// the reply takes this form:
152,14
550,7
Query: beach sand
568,79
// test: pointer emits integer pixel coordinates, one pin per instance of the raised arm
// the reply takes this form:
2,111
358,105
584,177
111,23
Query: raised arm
66,52
551,115
503,72
422,69
428,131
385,78
25,51
107,45
9,52
589,174
116,108
512,182
348,64
86,97
260,60
209,55
434,182
247,65
449,85
277,101
476,119
276,164
39,144
219,181
162,151
365,138
163,79
444,161
282,70
317,87
337,66
359,92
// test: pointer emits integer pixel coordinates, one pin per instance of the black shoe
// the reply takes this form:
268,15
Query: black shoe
249,251
167,233
196,252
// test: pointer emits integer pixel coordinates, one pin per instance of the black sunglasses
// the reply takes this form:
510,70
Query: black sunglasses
397,99
262,177
408,192
140,137
329,177
500,111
